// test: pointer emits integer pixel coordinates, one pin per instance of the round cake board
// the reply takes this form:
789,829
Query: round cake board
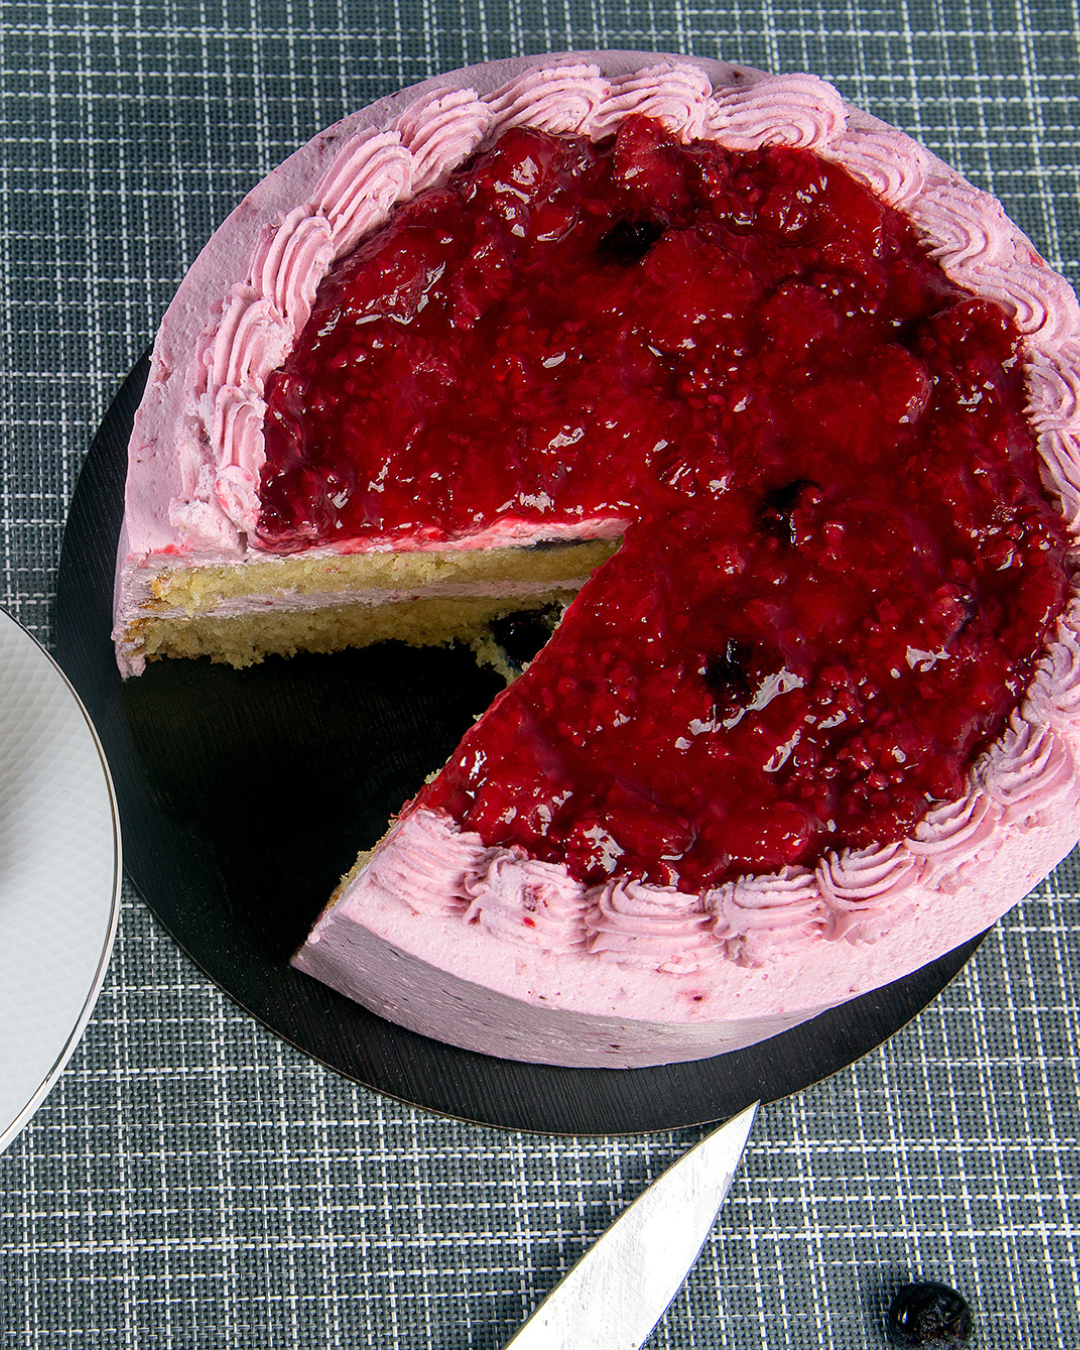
244,796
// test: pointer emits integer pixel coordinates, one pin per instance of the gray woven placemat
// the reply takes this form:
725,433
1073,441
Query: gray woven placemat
192,1182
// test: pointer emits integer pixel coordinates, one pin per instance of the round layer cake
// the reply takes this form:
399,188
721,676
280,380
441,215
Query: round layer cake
786,404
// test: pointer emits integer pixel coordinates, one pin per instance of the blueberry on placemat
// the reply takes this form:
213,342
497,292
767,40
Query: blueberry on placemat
927,1314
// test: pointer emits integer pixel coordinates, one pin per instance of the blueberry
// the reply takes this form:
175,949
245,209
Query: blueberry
927,1314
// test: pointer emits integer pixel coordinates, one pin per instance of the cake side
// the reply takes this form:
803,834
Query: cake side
247,636
295,603
422,978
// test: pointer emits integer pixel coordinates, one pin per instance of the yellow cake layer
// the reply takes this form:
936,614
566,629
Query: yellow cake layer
245,639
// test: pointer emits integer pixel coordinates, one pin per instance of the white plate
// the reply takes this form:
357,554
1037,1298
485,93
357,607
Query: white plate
60,873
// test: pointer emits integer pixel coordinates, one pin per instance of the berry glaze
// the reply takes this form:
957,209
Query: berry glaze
837,569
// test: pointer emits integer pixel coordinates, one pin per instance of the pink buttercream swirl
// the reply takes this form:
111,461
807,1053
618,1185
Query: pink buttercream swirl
980,249
1054,410
1059,469
965,228
522,899
799,110
677,96
237,488
253,340
252,333
757,917
288,263
1054,389
861,888
370,174
563,97
432,865
1040,302
890,164
236,422
441,129
650,927
1028,771
1054,694
954,837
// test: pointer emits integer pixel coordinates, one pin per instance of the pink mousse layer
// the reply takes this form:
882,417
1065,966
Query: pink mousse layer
489,949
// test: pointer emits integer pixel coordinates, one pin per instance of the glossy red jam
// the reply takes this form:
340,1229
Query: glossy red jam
837,567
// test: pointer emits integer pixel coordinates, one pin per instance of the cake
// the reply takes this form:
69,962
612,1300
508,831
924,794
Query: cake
786,404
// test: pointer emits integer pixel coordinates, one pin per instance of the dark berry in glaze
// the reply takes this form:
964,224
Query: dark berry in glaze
928,1316
777,509
628,241
837,566
730,678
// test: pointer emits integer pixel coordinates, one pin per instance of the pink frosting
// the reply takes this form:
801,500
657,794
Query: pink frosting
290,260
796,110
562,97
861,888
1054,388
371,173
968,228
432,866
676,96
1054,694
521,899
954,834
888,162
1039,302
650,927
1027,776
1028,772
758,918
1059,469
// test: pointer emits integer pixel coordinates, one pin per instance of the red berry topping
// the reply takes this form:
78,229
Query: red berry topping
838,567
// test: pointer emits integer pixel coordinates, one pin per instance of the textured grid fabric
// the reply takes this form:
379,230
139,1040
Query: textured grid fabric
191,1182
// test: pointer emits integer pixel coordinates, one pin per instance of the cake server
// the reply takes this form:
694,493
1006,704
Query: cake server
623,1284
